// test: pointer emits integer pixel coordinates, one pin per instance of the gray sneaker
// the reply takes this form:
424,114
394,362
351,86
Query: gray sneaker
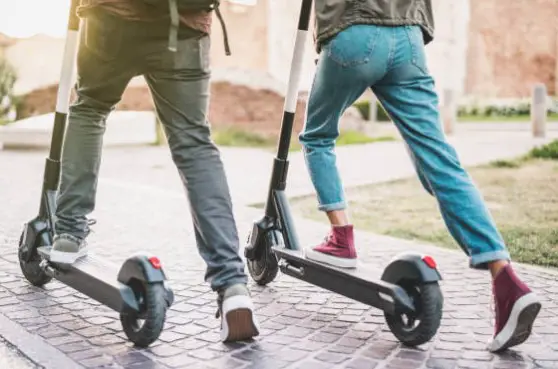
236,310
67,249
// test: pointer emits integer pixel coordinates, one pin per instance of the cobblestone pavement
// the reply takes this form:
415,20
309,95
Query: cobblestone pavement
302,325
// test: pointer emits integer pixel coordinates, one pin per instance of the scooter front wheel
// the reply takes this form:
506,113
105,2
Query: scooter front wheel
144,327
31,268
414,329
264,268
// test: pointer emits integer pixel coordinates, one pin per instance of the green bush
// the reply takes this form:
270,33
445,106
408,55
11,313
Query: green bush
549,151
363,107
7,81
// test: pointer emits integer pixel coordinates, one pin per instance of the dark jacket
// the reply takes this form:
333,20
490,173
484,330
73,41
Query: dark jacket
333,16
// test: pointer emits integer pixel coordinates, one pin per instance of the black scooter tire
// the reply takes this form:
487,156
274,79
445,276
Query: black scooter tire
31,269
265,267
153,307
429,300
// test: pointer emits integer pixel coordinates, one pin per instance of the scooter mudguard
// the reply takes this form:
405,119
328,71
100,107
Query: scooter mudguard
147,269
412,266
141,267
35,233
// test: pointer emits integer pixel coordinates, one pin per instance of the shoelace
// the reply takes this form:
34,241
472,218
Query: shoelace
493,315
90,222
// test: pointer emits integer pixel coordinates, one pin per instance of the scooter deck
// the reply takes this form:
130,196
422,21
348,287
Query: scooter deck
358,284
94,277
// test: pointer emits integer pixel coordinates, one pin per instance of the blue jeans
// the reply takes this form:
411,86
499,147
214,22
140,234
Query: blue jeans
391,61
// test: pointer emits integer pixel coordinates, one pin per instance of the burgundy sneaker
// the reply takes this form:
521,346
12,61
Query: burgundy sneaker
338,249
516,310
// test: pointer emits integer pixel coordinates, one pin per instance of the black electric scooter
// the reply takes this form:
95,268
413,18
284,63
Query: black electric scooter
138,289
408,291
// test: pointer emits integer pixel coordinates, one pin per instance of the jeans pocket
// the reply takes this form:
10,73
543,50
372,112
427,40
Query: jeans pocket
353,46
103,35
416,41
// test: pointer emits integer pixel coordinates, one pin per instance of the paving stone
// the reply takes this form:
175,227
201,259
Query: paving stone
189,343
477,355
106,340
227,363
165,350
178,361
325,337
129,358
313,364
473,364
189,329
290,354
96,362
74,346
85,354
170,336
435,363
397,363
204,354
331,357
92,331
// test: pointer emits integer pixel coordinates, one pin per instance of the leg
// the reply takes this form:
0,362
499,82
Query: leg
407,92
180,89
345,70
102,80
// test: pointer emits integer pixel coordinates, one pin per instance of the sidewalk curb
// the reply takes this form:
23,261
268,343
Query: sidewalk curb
34,347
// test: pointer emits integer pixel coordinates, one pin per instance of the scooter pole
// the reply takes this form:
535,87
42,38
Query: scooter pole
51,175
280,164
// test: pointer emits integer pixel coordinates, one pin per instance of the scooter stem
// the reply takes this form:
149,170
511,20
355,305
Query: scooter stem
51,174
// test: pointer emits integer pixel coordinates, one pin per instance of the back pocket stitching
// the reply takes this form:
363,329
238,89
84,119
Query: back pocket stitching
351,63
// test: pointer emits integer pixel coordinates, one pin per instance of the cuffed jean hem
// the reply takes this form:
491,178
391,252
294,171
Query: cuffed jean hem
331,207
221,287
481,261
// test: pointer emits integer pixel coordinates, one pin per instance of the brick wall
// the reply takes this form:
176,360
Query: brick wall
512,45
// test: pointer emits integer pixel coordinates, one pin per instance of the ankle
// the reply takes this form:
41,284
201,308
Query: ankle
496,267
338,218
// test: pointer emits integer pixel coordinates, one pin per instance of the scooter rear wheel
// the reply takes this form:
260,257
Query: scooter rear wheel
145,327
265,267
31,269
420,327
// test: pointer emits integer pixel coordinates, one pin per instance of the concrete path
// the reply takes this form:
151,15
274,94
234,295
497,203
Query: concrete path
141,206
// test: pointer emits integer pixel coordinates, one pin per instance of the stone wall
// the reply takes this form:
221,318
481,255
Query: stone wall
512,45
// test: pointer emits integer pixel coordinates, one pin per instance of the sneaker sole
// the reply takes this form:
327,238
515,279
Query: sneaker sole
61,257
331,260
519,325
239,323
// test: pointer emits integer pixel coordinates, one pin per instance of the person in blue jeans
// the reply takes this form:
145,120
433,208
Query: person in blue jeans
380,44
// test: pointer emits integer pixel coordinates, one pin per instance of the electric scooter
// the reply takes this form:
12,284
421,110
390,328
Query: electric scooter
408,291
138,289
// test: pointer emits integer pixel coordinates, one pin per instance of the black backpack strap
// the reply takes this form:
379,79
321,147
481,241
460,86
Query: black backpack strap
224,28
175,22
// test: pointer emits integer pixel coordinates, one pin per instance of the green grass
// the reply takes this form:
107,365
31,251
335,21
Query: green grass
240,138
236,137
520,194
549,151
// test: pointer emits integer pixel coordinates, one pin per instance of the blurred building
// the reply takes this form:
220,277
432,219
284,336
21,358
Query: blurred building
485,48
